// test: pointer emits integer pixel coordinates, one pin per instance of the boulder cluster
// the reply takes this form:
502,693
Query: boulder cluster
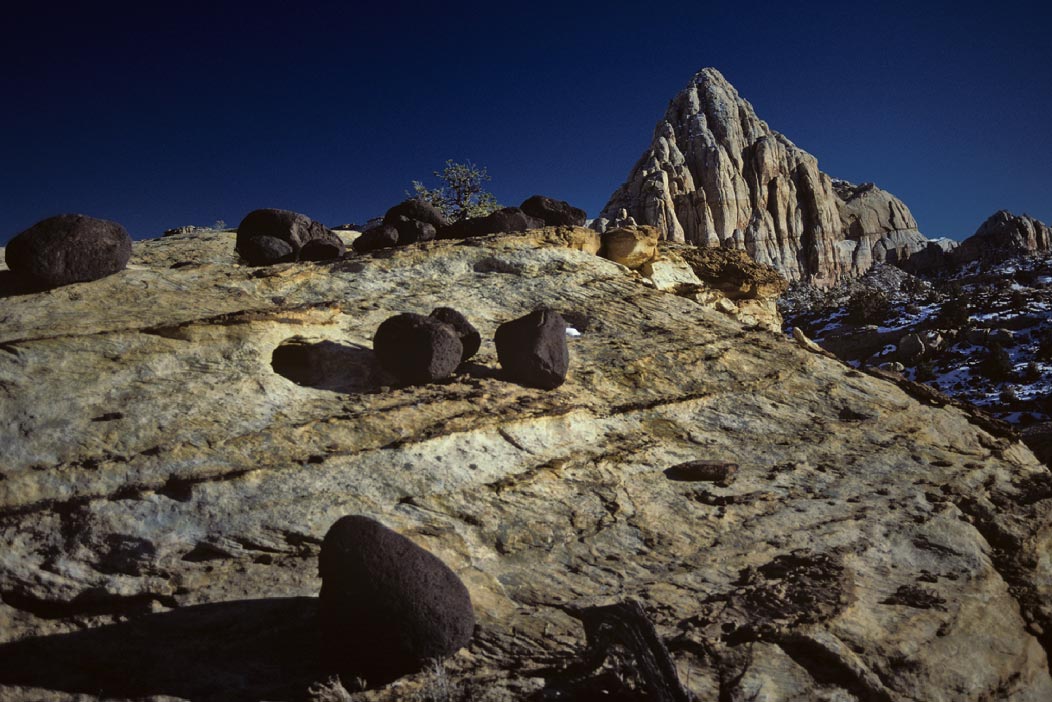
414,221
420,349
269,236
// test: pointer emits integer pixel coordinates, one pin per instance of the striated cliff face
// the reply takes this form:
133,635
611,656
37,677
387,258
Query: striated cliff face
716,175
168,475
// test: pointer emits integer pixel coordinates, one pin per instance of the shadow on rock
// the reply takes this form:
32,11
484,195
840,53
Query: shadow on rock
239,650
327,365
12,284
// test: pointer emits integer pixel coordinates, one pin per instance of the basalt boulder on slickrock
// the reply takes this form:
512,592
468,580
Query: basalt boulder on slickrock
508,219
532,349
469,336
553,213
382,237
386,605
416,210
165,488
69,248
269,236
417,349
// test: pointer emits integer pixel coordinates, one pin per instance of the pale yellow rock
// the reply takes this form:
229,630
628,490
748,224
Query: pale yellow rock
159,459
630,246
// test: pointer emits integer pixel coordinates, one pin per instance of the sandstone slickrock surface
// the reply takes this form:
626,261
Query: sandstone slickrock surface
165,489
69,248
387,606
716,175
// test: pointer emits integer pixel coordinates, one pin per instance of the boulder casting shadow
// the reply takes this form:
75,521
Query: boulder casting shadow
327,365
239,650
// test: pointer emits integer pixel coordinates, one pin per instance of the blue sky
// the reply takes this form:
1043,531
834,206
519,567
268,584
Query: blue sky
158,117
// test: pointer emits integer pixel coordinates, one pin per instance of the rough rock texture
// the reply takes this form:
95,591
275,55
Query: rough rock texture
165,489
382,237
387,606
416,348
418,210
532,349
469,336
554,213
717,175
268,236
1004,235
630,246
68,248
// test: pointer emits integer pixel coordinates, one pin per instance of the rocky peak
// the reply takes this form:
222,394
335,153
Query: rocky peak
715,174
1004,235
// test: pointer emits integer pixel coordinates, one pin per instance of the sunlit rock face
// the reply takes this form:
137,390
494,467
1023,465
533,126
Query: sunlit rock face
716,175
1002,236
180,436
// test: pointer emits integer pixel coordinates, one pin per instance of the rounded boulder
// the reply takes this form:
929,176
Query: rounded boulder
417,349
532,349
469,336
387,606
293,229
69,248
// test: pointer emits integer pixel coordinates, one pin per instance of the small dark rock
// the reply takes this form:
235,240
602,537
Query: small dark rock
532,349
509,219
469,336
417,210
386,604
554,213
382,237
291,228
703,470
411,231
416,348
68,248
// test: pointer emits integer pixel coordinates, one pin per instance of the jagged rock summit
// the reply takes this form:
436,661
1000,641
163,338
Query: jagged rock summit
180,436
716,175
1004,235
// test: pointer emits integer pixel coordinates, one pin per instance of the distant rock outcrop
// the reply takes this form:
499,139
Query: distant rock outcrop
716,175
1002,236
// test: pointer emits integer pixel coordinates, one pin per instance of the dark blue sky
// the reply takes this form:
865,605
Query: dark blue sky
158,117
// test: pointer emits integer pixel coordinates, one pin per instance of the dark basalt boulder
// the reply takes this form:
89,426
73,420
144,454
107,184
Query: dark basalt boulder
387,606
532,349
322,250
382,237
417,210
509,219
469,336
417,349
555,213
294,229
68,248
411,231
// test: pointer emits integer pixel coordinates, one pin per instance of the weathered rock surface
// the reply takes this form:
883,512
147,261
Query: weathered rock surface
387,606
469,336
717,175
164,489
1004,235
630,246
417,348
69,248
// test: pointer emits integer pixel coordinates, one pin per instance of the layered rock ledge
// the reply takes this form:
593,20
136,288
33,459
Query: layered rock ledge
167,479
